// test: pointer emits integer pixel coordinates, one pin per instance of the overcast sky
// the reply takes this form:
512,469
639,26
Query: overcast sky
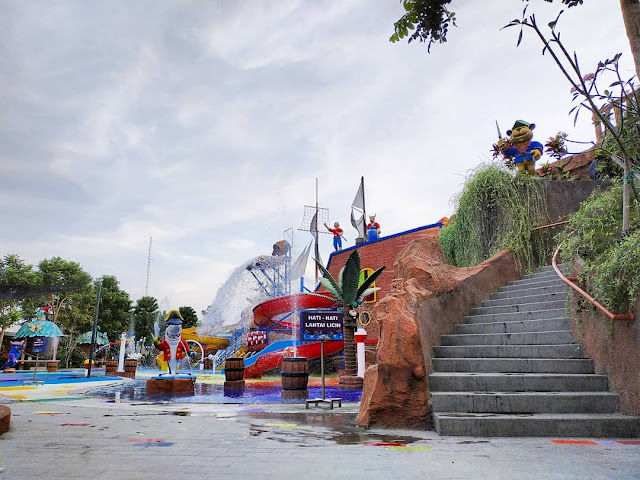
204,124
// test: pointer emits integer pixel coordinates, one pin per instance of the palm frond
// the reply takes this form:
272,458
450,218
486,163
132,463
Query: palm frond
328,276
369,281
326,297
331,288
351,278
367,292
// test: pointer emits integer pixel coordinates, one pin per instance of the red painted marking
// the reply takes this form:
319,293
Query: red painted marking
629,442
574,442
145,440
385,444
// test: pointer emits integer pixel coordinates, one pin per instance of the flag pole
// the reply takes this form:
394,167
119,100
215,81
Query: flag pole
364,209
316,227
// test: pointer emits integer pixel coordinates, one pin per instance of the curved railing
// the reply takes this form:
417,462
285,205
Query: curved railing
612,316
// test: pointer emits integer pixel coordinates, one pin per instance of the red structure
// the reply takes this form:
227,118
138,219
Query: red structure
373,255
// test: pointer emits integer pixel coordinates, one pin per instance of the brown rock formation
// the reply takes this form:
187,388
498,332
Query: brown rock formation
427,299
5,419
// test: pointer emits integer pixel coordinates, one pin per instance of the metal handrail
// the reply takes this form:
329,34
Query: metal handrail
550,225
612,316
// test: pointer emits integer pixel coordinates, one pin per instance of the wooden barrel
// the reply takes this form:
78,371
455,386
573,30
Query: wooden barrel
52,367
294,373
130,366
111,366
234,369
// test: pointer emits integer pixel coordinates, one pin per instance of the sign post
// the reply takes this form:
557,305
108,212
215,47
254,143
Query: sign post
38,345
321,325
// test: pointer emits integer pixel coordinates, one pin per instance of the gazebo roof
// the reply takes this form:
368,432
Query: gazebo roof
39,328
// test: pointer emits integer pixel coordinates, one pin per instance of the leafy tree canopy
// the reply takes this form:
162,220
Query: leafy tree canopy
189,316
429,20
145,313
60,272
115,308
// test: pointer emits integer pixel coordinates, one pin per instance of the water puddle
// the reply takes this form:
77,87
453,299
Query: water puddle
312,429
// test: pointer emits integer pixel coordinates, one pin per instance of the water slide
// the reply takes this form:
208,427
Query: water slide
271,357
209,342
264,314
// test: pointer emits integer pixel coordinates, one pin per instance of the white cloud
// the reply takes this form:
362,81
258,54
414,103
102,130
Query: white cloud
205,126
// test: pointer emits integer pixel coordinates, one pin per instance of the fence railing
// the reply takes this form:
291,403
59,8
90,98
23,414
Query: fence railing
593,301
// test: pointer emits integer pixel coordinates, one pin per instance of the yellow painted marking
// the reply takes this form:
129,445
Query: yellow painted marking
26,387
18,397
410,448
288,425
47,412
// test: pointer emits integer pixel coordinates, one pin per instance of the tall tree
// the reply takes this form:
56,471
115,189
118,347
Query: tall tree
145,313
14,271
189,316
59,272
115,315
429,20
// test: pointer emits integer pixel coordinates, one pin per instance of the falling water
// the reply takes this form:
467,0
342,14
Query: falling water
236,298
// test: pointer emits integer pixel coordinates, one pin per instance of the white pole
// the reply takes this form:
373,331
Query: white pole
123,341
360,336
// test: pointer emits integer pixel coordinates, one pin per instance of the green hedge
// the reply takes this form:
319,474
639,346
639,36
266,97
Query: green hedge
612,261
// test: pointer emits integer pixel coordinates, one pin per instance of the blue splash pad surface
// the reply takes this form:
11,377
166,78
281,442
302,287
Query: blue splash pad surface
212,393
16,379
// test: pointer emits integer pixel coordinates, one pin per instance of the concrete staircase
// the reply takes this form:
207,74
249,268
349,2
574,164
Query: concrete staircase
513,369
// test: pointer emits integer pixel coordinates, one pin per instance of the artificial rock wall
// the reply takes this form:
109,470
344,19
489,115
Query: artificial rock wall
427,298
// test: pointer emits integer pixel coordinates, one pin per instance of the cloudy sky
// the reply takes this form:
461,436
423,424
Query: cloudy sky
204,124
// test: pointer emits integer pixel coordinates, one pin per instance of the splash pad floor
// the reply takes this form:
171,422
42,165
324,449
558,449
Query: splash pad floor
210,389
70,385
94,437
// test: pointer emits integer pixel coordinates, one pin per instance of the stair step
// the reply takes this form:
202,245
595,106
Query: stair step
513,365
537,425
510,317
546,274
510,351
517,293
530,284
525,402
512,369
519,326
544,304
526,299
516,382
562,337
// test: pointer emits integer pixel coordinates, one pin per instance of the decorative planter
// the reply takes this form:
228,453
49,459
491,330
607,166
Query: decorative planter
52,367
234,373
130,367
111,367
295,378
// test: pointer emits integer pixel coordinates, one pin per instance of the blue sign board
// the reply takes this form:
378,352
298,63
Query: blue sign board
318,325
39,344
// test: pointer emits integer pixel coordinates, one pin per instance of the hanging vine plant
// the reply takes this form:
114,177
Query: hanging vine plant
497,210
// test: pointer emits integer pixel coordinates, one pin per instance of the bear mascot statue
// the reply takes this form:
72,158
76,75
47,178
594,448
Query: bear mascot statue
521,148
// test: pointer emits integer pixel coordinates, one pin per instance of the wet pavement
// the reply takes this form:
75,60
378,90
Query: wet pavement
63,436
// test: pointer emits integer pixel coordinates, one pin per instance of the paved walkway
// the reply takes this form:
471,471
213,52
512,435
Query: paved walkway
58,433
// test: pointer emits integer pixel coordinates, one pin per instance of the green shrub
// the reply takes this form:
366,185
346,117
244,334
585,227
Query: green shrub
592,229
495,211
616,282
611,262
